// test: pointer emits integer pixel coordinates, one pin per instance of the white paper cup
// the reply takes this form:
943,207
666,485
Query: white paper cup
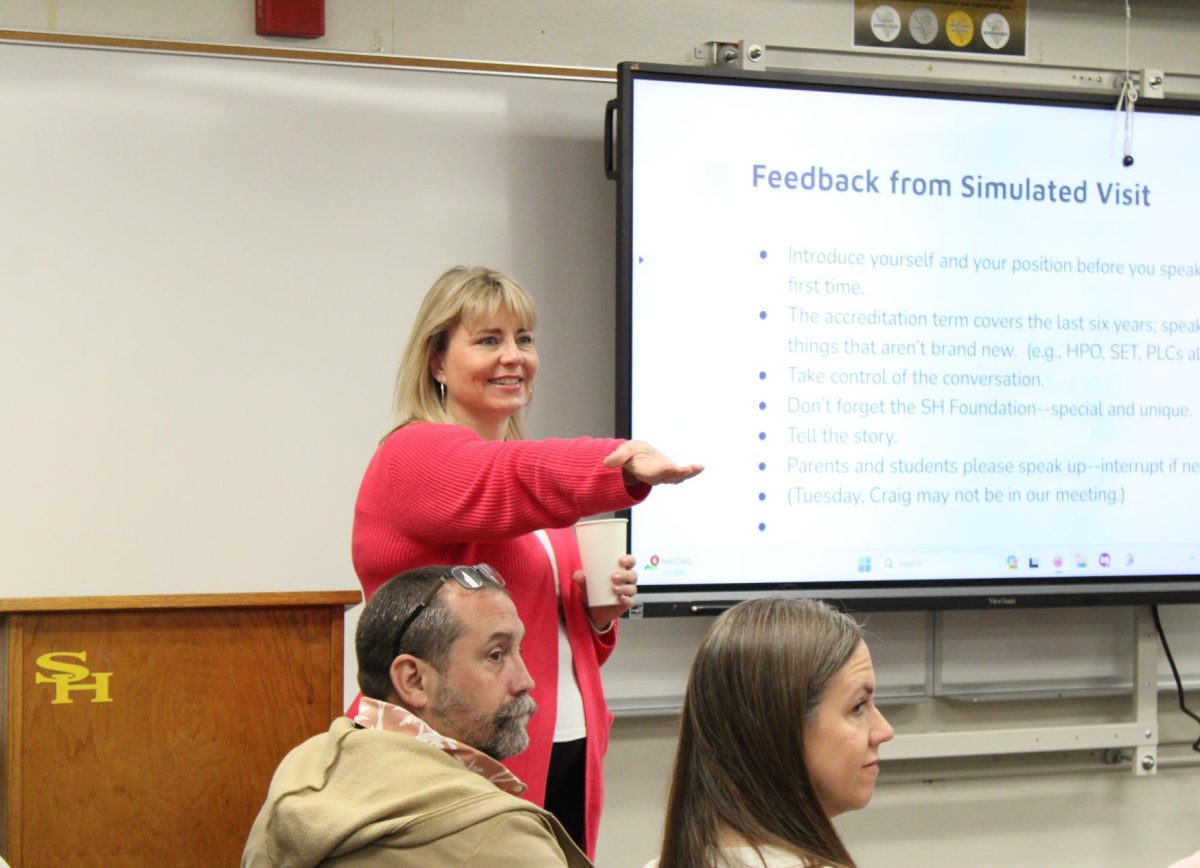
601,542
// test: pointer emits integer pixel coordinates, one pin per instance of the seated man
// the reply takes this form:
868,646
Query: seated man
414,779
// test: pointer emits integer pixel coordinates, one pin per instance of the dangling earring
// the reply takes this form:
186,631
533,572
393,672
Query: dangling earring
441,391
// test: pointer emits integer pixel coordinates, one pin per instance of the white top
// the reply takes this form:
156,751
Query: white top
570,724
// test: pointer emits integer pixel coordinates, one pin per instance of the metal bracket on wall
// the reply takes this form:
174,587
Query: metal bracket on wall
1140,733
937,66
743,54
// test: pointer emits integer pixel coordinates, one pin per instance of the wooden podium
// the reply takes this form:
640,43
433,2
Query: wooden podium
144,730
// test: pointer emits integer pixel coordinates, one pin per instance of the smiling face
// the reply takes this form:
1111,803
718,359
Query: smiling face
841,744
488,368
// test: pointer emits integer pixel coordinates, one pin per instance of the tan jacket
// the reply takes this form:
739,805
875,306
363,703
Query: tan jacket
358,797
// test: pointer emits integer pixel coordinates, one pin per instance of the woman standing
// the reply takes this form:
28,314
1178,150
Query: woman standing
456,482
779,734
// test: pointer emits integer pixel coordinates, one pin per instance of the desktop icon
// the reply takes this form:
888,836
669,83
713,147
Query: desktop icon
1033,563
1105,559
1058,562
1128,559
1081,561
1012,561
864,564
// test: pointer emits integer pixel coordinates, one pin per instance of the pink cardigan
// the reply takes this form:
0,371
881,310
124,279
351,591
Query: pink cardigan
441,494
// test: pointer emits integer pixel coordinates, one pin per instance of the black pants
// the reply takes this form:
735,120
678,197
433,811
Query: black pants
565,786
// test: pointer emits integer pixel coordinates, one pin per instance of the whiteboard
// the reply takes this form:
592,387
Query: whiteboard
209,267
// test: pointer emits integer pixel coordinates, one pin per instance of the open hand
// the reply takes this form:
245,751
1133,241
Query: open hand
641,462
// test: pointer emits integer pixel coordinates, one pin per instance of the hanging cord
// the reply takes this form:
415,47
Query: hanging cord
1162,637
1128,97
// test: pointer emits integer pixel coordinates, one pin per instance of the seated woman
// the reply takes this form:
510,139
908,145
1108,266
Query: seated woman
779,734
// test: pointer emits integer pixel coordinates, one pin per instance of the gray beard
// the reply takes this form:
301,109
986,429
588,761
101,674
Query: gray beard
500,736
509,735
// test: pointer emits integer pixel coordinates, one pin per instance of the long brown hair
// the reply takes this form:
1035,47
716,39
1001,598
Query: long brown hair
462,293
757,680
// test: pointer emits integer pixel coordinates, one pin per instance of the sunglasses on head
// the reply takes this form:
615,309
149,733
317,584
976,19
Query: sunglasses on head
471,578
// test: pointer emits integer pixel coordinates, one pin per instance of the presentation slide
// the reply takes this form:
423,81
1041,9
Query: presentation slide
913,337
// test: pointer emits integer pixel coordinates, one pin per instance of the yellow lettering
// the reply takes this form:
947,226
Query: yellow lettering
71,670
70,674
101,686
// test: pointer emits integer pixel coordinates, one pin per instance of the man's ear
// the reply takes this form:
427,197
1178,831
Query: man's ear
412,680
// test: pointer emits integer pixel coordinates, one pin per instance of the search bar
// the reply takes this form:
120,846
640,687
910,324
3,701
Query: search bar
903,564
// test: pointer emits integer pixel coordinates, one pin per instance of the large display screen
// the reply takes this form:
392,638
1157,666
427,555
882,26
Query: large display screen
935,347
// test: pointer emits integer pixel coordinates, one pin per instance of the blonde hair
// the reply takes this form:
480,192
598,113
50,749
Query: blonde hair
462,293
757,679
